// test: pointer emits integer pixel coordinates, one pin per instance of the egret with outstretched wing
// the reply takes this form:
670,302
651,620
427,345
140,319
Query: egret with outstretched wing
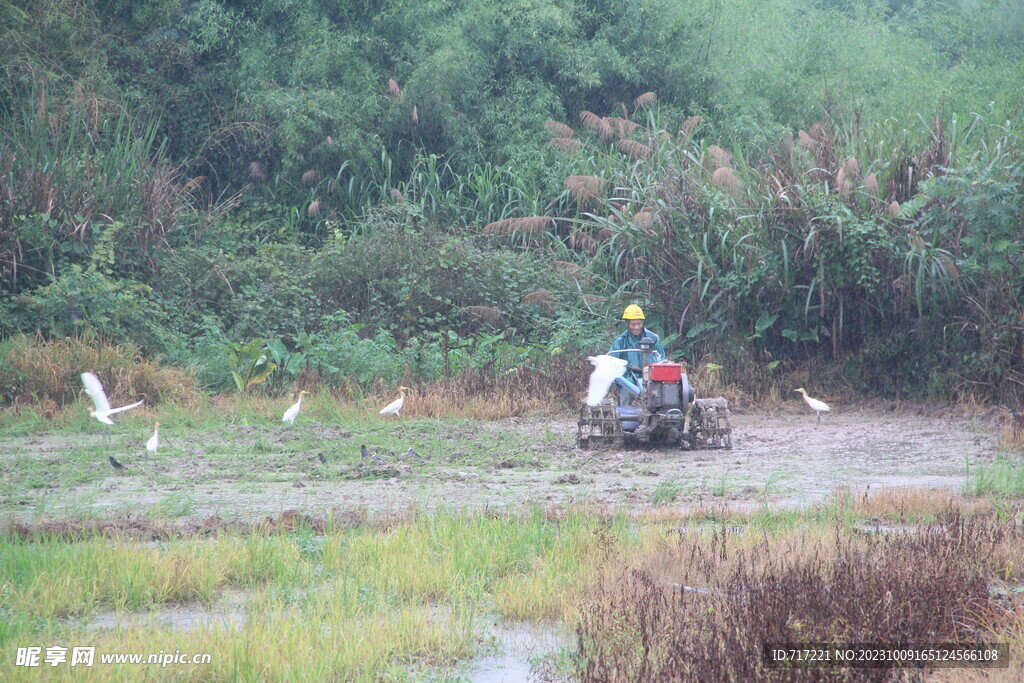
606,369
102,410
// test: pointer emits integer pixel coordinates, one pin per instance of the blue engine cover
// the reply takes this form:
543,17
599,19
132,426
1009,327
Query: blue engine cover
626,412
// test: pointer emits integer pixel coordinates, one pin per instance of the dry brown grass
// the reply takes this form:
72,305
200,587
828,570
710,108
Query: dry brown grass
893,210
621,127
871,184
952,272
310,177
257,173
727,180
1013,429
806,141
542,388
583,241
584,188
702,608
559,129
50,371
716,158
566,144
530,225
635,149
487,314
541,298
852,168
645,99
396,195
393,88
313,211
596,124
644,219
691,124
900,503
569,269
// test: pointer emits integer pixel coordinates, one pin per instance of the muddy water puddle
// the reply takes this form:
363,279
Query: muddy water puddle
518,652
227,612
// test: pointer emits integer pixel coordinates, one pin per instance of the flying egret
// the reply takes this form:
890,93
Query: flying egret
396,405
292,413
817,406
154,441
102,411
606,370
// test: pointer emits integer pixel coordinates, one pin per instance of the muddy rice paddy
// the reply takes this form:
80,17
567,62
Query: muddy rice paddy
779,458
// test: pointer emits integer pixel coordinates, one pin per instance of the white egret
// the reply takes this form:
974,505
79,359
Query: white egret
817,406
396,405
154,441
606,369
102,410
292,413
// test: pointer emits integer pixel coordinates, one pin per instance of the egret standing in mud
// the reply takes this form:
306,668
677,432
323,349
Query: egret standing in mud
396,405
293,412
102,410
817,406
154,441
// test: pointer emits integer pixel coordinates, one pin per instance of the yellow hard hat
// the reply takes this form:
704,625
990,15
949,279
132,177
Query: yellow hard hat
633,312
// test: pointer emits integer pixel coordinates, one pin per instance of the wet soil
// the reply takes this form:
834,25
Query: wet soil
781,458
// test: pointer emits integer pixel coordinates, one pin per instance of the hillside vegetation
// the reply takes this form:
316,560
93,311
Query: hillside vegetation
357,193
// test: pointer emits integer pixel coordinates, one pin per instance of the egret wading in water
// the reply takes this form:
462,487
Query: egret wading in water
101,406
292,413
817,406
396,405
154,441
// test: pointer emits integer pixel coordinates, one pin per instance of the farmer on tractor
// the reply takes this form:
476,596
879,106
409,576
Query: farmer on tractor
627,346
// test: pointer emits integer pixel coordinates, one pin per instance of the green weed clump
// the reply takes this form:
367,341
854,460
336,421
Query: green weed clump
320,600
1002,478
